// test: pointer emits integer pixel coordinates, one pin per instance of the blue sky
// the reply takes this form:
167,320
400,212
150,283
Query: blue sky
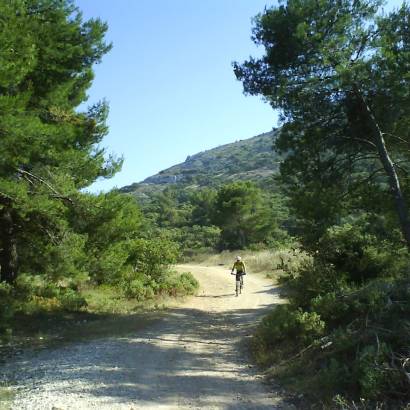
169,80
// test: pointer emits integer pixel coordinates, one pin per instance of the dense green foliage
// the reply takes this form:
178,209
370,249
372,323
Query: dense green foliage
48,150
348,307
223,198
247,216
232,216
338,71
54,237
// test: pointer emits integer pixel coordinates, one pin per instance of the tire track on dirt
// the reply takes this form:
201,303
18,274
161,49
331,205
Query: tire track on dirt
193,358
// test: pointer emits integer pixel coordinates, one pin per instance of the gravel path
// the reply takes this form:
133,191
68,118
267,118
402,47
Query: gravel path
193,358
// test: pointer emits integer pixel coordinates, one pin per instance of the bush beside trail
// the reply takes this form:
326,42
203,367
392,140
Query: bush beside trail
343,338
171,284
60,245
141,276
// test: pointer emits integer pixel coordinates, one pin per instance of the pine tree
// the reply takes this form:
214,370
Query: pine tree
49,149
338,71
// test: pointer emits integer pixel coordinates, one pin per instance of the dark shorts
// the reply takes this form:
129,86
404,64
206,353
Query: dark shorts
239,275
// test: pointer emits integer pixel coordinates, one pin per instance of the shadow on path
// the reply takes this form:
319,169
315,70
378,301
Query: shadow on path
190,356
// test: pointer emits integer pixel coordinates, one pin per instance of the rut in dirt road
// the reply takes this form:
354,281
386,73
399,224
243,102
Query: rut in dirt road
195,357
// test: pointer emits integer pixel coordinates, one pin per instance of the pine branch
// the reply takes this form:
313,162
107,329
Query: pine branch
56,194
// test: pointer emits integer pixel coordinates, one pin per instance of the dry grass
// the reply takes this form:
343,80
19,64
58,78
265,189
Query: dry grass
270,262
6,397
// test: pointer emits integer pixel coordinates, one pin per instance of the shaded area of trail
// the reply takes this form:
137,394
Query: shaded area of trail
192,358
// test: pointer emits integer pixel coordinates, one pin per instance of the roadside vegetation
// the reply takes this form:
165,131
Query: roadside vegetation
65,255
272,263
338,71
332,227
236,215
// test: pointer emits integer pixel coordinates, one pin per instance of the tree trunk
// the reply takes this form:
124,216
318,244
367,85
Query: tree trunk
8,245
242,239
388,165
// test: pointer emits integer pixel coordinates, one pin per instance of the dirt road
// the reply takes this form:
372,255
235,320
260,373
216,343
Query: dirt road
193,358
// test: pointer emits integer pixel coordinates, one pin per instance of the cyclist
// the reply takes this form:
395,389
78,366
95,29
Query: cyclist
240,268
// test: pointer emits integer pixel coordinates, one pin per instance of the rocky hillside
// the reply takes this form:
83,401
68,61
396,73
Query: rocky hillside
250,159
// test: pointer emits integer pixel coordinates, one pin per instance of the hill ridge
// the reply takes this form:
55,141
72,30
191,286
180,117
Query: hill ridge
246,159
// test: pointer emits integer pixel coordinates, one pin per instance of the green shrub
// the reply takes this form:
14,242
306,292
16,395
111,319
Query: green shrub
311,279
152,257
288,323
149,292
189,283
333,376
331,307
71,300
349,304
35,293
27,286
47,290
179,285
134,289
111,263
360,255
141,287
370,371
197,237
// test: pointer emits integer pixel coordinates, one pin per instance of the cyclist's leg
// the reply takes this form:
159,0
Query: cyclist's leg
237,288
241,281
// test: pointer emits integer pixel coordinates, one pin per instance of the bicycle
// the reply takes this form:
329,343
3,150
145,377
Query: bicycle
238,282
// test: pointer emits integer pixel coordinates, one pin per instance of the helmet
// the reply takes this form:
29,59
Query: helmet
238,258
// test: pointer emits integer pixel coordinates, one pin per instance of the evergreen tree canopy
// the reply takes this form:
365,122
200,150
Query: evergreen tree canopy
49,149
243,214
338,71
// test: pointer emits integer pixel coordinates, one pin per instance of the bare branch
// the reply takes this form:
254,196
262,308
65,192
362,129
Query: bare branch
360,183
363,140
397,165
397,137
291,358
44,182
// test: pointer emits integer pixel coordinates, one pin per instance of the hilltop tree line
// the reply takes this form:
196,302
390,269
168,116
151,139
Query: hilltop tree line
338,71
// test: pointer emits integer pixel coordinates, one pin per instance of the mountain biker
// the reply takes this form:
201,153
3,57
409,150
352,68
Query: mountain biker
240,268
